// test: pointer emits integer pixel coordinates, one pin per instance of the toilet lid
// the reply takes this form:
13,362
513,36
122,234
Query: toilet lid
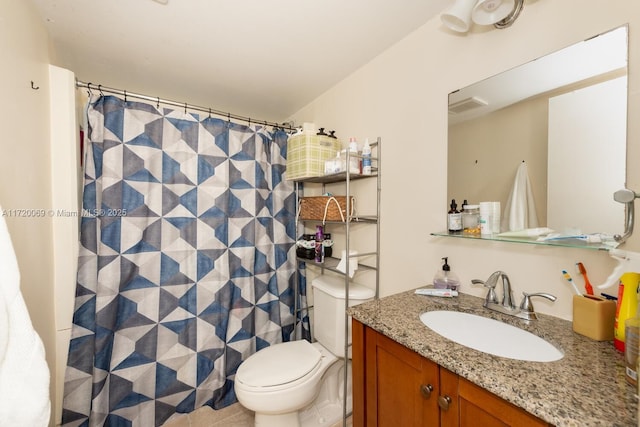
278,364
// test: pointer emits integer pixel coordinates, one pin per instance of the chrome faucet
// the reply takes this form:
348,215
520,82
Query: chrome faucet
507,306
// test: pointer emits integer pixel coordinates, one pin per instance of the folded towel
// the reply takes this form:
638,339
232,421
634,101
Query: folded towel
24,374
520,210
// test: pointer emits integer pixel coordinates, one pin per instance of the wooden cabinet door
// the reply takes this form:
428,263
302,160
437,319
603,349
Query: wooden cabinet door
406,385
448,401
478,407
392,385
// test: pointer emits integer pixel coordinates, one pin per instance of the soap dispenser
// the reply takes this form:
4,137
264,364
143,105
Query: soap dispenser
445,278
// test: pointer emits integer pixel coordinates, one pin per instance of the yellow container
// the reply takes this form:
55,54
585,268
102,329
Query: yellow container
627,306
632,338
594,317
306,155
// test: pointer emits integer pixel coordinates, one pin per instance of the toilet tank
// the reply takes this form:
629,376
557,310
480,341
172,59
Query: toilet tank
328,304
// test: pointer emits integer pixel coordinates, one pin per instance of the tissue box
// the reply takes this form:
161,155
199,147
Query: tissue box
306,155
594,317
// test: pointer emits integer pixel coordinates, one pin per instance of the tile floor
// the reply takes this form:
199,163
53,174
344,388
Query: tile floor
231,416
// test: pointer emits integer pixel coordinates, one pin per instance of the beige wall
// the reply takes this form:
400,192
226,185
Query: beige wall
402,96
482,162
24,158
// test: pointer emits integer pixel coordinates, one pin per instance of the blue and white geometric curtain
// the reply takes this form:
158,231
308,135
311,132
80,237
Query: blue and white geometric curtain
186,266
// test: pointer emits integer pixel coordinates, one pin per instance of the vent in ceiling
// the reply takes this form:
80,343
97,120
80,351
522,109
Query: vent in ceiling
466,105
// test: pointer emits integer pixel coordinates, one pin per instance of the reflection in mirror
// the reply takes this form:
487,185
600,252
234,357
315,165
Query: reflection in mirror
565,116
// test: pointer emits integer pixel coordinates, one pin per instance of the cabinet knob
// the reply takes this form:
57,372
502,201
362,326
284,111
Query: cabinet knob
426,390
444,402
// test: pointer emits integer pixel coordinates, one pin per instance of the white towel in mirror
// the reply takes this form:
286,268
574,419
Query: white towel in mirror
520,209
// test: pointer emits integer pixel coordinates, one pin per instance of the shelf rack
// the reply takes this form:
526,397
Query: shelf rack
330,263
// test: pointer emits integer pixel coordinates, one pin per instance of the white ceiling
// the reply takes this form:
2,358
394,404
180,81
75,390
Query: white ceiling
257,58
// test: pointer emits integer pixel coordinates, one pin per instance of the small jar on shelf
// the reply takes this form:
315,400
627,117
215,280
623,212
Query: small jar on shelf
471,219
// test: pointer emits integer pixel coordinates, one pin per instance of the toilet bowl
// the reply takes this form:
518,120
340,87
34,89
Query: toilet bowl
297,383
280,380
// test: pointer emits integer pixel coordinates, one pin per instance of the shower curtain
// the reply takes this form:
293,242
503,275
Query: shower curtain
186,266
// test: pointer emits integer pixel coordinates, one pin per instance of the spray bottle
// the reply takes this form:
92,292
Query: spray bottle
627,275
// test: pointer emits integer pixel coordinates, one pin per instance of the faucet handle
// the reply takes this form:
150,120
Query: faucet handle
527,307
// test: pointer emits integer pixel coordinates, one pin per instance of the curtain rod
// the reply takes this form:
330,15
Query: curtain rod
92,86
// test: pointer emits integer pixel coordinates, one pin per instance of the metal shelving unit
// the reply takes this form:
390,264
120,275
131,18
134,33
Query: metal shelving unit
330,263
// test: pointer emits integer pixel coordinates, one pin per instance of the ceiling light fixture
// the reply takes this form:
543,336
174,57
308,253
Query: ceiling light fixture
499,13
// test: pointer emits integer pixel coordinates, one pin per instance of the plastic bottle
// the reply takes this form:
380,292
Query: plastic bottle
626,307
632,341
319,252
445,278
366,158
486,218
354,161
454,218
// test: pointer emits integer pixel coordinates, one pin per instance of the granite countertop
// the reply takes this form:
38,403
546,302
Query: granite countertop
587,387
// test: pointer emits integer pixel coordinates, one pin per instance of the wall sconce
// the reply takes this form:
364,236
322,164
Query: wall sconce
499,13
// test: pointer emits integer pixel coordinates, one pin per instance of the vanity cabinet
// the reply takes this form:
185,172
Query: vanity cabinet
395,386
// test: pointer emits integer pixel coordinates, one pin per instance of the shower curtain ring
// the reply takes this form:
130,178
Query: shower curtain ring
209,112
89,90
158,103
185,108
125,96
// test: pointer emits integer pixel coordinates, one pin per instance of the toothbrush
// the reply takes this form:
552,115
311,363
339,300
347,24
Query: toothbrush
587,284
569,279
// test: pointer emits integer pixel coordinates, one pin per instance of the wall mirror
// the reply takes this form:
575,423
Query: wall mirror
565,116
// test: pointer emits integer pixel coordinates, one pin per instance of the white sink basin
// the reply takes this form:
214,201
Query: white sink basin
490,336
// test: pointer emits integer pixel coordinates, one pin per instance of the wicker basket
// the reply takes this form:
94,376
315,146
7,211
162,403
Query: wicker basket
325,208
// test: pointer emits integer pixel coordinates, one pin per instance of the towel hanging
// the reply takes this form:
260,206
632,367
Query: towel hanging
520,210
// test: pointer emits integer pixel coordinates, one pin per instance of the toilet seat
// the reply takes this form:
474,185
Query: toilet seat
279,366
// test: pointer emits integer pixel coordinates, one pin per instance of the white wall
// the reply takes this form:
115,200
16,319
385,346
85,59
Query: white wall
402,97
576,151
25,158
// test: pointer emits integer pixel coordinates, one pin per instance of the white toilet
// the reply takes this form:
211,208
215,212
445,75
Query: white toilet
297,383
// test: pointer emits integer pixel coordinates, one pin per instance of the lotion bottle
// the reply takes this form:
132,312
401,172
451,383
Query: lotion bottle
354,161
366,158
